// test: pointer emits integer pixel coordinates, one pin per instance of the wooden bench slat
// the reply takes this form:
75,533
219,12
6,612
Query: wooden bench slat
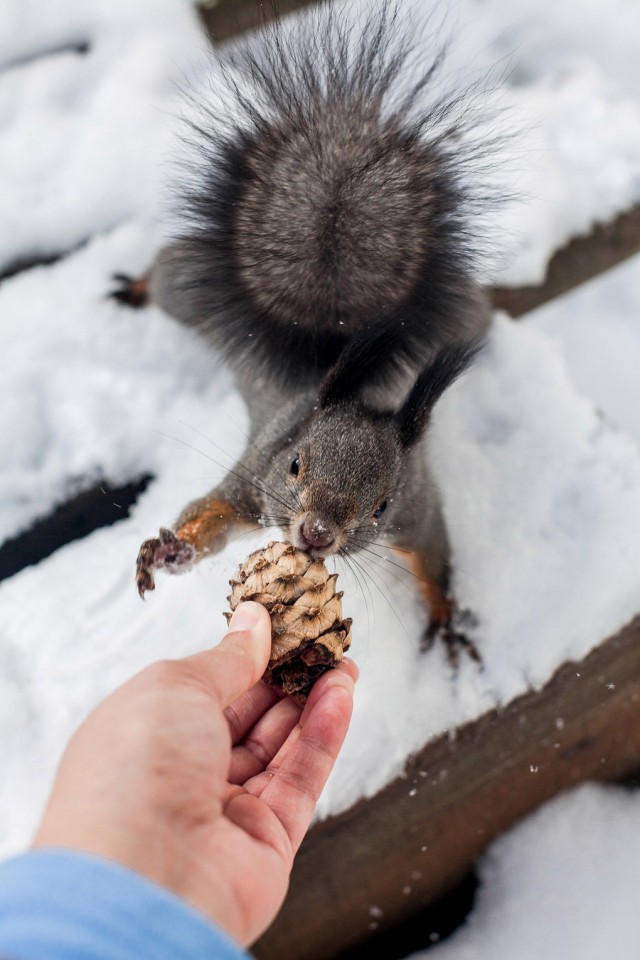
580,260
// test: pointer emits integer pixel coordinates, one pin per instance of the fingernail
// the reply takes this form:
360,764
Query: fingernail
245,617
340,678
355,672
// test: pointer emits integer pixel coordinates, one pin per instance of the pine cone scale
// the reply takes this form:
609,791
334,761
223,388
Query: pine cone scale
309,634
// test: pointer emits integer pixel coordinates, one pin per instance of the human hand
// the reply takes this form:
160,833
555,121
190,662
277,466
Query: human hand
202,778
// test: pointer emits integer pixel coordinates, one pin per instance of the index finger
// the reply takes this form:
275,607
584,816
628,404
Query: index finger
241,657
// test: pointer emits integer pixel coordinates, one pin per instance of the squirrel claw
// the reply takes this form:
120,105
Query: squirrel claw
144,581
166,551
132,291
452,634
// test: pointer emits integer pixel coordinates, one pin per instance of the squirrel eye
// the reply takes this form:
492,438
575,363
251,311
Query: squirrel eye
295,466
381,509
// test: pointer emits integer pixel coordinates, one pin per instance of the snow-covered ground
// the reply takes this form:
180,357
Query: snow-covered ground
563,885
537,449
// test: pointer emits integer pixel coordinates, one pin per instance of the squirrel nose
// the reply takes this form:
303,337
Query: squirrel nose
315,533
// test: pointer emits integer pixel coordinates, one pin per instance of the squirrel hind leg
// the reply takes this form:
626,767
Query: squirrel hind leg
132,291
453,633
169,283
447,622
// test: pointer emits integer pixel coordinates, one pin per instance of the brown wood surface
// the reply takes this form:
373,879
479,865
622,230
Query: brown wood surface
578,261
224,19
418,837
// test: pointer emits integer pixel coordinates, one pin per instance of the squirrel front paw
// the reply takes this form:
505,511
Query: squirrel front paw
133,291
166,551
452,632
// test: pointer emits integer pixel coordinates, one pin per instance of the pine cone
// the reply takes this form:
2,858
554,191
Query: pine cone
308,634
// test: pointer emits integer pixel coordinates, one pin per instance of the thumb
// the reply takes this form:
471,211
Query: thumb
241,657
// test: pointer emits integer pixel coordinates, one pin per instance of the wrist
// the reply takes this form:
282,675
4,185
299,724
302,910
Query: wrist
159,859
58,903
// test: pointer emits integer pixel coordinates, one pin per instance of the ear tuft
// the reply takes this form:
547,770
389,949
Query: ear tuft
369,355
445,368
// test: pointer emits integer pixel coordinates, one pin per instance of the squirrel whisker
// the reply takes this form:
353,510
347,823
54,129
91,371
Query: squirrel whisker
359,562
239,464
362,585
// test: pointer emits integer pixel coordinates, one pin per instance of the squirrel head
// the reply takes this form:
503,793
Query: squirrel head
347,461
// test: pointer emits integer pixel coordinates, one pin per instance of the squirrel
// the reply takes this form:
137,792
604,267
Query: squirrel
326,255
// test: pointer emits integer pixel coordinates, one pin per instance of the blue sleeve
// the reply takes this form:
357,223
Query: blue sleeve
66,905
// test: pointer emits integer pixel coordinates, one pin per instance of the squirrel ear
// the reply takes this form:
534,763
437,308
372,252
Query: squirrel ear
447,365
370,355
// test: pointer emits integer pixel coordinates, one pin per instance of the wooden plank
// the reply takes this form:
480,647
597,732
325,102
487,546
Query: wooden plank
224,19
99,504
578,261
407,846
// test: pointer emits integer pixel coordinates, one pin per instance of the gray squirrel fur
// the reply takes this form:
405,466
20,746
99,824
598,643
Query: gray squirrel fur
328,257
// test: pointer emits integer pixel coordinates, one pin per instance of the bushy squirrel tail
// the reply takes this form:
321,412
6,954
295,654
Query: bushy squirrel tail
328,199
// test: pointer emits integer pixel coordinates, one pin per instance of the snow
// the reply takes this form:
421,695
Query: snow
570,97
562,885
598,332
536,449
569,189
102,116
